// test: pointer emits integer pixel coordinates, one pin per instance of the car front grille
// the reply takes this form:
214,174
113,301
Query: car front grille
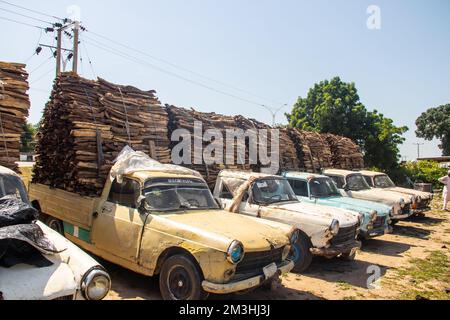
379,223
344,236
425,204
254,262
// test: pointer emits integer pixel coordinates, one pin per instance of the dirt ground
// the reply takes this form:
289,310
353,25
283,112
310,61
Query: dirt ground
413,263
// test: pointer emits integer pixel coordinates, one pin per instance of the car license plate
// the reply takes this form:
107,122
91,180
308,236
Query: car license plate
270,270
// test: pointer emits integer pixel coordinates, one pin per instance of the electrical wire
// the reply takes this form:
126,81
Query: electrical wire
41,65
21,22
42,76
89,59
180,67
146,63
26,16
31,10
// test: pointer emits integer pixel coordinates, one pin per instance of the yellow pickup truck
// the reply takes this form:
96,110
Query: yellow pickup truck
154,221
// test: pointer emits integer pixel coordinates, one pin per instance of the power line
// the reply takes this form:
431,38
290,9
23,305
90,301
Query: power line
180,67
26,16
21,22
31,10
42,76
41,65
143,62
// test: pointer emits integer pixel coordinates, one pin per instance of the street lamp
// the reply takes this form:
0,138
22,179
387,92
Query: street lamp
274,113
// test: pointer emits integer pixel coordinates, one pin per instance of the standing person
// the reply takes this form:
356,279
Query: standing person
446,195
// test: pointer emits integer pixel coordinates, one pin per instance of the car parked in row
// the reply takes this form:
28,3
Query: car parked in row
378,180
325,231
158,219
64,273
319,189
352,184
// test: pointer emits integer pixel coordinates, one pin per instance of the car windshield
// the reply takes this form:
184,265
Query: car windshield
11,185
383,181
270,191
178,194
357,182
323,188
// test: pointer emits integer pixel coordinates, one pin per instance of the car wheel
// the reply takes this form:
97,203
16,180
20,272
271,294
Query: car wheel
302,255
180,279
349,256
55,224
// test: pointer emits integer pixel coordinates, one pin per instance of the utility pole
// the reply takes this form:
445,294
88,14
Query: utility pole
76,36
58,52
418,149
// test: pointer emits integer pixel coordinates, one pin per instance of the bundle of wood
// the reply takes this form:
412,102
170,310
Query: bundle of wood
320,150
345,153
85,126
304,154
14,107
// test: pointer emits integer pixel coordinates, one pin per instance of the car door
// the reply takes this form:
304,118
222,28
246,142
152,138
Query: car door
118,227
226,197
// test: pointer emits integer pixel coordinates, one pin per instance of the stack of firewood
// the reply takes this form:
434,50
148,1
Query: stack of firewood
345,154
85,126
14,107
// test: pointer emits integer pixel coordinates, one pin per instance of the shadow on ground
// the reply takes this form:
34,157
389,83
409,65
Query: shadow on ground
385,247
412,232
355,273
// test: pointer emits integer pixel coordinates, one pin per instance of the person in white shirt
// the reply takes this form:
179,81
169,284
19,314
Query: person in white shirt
446,195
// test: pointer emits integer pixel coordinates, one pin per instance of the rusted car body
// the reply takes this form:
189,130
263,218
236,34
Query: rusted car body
381,181
193,245
328,232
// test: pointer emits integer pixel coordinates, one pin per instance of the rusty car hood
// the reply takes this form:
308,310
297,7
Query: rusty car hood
381,195
218,229
411,192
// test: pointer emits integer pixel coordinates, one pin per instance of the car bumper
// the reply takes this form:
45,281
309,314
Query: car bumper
370,234
337,250
402,216
421,211
250,283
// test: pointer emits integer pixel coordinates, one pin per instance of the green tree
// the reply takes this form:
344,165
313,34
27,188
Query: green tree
435,123
28,140
334,107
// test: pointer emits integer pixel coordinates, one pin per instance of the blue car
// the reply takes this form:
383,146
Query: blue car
322,190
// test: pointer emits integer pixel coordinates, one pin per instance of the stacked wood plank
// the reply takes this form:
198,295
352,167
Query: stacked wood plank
14,107
85,126
345,153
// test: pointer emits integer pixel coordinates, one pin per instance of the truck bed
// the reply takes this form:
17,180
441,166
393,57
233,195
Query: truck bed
66,206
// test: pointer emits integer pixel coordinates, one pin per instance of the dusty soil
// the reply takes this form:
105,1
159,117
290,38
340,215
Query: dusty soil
413,263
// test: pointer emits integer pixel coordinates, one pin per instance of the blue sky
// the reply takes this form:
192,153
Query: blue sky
275,50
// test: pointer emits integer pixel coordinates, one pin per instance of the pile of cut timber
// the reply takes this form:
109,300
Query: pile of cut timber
85,126
345,154
14,107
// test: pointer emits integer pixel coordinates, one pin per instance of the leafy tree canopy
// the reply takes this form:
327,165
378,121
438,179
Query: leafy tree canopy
435,123
28,141
333,106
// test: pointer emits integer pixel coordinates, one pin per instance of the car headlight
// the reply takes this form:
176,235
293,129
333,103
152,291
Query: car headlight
235,252
95,284
295,235
374,216
334,228
402,203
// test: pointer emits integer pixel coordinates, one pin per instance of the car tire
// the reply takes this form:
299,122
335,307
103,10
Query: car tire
302,255
55,224
348,256
180,279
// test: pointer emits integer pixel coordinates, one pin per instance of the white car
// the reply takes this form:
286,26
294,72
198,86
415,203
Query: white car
352,184
70,274
381,181
325,231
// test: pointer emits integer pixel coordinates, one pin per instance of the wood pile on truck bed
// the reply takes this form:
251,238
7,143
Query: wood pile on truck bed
14,107
87,123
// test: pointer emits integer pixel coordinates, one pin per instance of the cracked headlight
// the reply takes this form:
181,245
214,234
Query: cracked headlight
402,203
235,252
96,284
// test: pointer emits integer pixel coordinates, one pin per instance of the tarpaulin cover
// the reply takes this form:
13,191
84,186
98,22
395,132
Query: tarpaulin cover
21,240
130,161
